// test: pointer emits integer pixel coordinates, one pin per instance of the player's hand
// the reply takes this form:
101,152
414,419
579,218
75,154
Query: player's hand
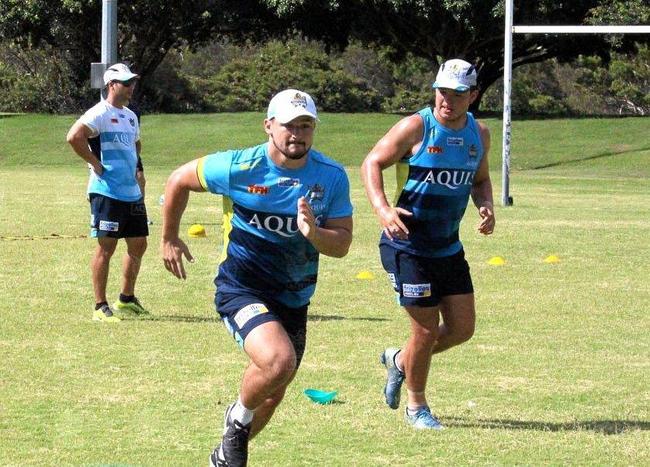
172,252
392,223
96,167
306,220
486,226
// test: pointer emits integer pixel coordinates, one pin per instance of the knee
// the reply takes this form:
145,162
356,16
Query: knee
282,366
105,252
463,333
425,334
136,250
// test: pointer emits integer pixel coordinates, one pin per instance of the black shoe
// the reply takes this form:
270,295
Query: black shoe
233,450
214,458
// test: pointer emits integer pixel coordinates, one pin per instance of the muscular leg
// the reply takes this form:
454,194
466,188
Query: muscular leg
415,356
265,411
459,319
271,369
136,246
100,265
139,176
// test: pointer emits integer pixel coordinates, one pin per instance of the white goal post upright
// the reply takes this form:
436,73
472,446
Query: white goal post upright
510,29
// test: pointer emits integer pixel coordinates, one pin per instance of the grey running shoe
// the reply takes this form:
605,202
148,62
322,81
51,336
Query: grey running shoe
233,450
394,378
423,420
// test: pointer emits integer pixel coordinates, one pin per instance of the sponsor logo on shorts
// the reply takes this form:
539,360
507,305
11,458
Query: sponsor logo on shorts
434,149
455,141
393,281
416,290
244,315
108,226
138,209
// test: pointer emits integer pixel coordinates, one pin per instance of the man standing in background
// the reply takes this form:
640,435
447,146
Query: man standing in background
116,202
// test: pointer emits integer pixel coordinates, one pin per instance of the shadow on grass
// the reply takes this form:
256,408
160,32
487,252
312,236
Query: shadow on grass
216,319
175,318
607,427
588,158
340,318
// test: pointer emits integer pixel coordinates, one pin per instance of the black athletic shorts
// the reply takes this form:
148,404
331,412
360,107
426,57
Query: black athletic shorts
422,281
117,219
241,313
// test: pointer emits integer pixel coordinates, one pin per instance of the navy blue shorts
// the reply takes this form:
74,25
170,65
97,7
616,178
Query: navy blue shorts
241,313
422,281
117,219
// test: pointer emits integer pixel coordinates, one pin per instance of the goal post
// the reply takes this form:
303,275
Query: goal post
510,29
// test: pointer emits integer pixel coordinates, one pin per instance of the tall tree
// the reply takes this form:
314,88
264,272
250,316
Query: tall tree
147,29
469,29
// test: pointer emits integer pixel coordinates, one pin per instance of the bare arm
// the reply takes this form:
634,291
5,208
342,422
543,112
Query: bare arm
78,138
332,239
177,193
482,188
400,140
139,174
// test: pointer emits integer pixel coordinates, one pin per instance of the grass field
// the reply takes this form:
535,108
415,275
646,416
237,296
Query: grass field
557,373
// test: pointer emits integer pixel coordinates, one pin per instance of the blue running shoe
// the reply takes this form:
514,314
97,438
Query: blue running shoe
423,420
394,378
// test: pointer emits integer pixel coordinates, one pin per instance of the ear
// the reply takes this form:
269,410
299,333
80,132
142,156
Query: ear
267,126
473,95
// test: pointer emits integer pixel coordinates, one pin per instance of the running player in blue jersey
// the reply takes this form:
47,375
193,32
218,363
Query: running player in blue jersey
284,204
441,158
116,202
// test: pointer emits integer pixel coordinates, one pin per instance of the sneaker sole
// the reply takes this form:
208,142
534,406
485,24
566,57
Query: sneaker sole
106,320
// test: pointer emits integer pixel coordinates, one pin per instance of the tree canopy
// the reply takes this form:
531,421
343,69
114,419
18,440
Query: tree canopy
147,29
468,29
432,29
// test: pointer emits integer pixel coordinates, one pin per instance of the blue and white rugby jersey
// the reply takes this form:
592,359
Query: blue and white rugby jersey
118,131
264,252
435,185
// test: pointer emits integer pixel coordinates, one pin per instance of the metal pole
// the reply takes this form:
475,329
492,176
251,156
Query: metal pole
506,199
109,32
109,37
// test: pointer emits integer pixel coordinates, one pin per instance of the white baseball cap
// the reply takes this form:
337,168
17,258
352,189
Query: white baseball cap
290,104
456,74
118,72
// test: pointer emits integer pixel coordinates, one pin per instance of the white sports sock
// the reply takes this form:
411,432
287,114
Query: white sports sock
413,410
241,413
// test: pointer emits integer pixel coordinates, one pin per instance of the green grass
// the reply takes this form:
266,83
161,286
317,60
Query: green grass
556,373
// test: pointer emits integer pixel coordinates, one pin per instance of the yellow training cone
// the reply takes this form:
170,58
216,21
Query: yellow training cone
366,275
552,259
196,230
497,261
